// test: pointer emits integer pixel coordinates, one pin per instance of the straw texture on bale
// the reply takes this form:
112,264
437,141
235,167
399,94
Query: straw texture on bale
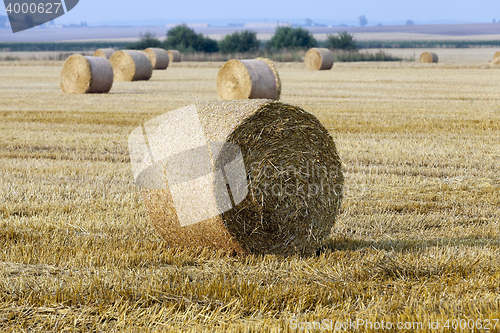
428,57
104,53
159,57
248,79
293,181
277,79
82,75
129,65
319,59
174,55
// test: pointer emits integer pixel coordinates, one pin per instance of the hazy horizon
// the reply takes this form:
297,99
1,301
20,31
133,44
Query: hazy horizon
220,12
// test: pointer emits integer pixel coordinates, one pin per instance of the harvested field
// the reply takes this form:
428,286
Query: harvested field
481,31
417,238
473,56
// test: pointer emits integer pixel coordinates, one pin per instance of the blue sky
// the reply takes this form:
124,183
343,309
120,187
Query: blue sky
381,11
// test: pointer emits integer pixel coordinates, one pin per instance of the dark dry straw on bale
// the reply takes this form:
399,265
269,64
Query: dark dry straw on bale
293,181
104,53
129,65
319,59
174,55
82,75
254,79
159,57
428,57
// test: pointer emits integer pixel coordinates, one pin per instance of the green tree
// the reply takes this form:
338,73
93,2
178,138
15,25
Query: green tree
342,41
362,21
209,45
147,40
185,39
245,41
291,38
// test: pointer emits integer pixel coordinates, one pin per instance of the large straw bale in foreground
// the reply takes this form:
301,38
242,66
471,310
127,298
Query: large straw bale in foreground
174,55
428,57
104,53
242,79
129,65
284,199
82,75
319,59
159,57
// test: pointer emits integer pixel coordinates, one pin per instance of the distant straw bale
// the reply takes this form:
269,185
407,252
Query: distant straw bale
159,58
319,59
174,55
104,53
496,58
129,65
147,56
428,57
277,79
273,185
82,75
248,79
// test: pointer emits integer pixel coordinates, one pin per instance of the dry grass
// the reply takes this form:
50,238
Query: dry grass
281,56
472,56
418,237
40,56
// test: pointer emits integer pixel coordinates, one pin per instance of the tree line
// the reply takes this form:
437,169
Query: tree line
186,40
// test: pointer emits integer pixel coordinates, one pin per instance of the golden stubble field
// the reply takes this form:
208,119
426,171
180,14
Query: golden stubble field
417,240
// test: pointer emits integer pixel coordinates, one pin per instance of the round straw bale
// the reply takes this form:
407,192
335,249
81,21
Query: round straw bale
283,201
428,57
319,59
174,55
271,65
82,75
147,56
159,57
104,53
242,79
129,65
